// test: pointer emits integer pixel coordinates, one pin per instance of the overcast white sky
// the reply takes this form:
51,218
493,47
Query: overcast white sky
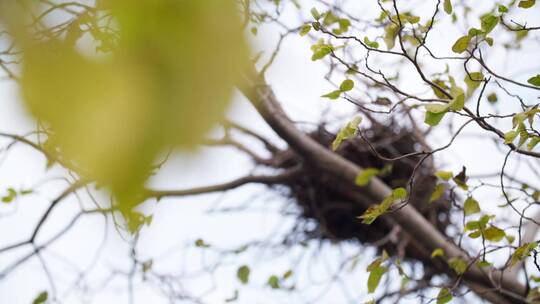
298,83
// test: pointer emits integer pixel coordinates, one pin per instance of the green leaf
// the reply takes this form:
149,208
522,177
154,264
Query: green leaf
273,282
473,81
526,3
374,278
522,252
461,44
374,211
533,142
10,196
287,274
437,193
492,98
458,102
535,81
437,91
444,296
371,44
444,175
243,274
523,136
41,298
201,243
346,85
104,109
510,136
502,8
483,264
436,108
494,234
320,51
448,7
433,119
399,193
439,252
458,265
305,29
332,95
390,34
315,14
365,176
489,22
348,131
471,206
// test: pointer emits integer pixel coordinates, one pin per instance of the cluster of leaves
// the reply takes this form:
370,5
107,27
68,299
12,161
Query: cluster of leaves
374,211
520,129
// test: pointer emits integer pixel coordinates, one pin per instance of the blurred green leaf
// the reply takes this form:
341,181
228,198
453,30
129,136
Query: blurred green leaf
448,7
444,296
41,298
243,274
365,176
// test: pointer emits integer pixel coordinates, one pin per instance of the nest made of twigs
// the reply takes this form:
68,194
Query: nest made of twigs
327,208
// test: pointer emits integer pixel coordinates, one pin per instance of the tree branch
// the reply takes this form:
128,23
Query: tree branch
263,98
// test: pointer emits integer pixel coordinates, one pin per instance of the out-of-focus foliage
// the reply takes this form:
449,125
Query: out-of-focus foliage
161,79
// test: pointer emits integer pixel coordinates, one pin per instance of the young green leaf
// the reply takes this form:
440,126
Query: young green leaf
346,85
332,95
489,22
473,81
437,193
439,252
461,44
510,136
243,274
445,175
365,176
471,206
444,296
390,34
494,234
371,44
316,15
448,7
273,282
201,243
458,265
374,278
41,298
492,98
346,132
535,80
526,3
522,252
305,29
533,142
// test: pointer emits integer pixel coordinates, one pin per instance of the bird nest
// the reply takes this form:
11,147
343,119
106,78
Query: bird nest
329,209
